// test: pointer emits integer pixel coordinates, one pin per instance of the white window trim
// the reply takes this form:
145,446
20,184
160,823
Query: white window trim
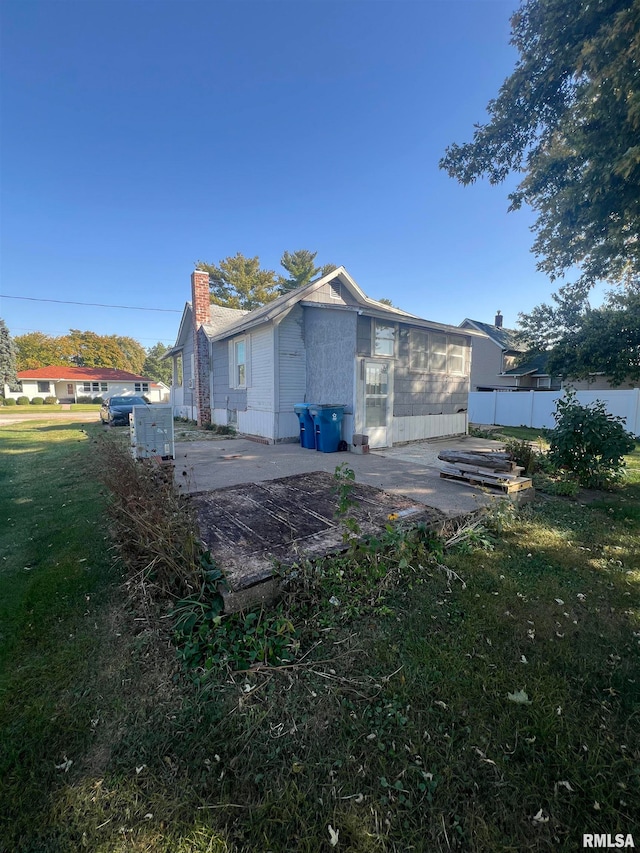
233,365
450,343
375,354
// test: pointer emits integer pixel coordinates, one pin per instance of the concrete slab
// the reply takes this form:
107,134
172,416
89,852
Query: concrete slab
412,470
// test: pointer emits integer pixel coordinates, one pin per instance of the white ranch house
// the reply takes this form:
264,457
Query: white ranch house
69,384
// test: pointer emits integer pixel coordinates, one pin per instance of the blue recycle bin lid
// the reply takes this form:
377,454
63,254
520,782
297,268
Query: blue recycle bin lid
301,407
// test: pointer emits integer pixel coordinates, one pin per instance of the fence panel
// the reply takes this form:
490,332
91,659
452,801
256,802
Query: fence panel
536,408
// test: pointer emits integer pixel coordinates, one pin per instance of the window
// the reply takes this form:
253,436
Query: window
44,387
141,387
419,350
95,386
430,352
384,336
103,386
239,363
86,386
456,356
438,354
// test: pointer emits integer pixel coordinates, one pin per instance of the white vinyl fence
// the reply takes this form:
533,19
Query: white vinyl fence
536,408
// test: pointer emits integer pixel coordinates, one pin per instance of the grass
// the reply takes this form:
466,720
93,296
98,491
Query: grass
54,407
392,724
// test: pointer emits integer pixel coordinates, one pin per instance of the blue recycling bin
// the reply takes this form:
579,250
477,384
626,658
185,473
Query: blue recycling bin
327,420
307,428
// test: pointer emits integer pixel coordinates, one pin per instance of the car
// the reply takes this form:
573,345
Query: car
116,410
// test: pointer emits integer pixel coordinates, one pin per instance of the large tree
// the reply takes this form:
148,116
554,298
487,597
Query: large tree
238,282
568,119
83,349
155,367
588,341
301,268
7,357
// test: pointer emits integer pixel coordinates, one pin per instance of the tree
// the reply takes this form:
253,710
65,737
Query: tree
238,282
568,117
154,367
35,349
386,301
8,355
134,353
82,349
602,340
301,268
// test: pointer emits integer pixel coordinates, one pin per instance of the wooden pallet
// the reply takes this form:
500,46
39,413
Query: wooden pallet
505,482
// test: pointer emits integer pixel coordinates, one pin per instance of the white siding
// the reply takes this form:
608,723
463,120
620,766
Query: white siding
260,395
428,426
253,422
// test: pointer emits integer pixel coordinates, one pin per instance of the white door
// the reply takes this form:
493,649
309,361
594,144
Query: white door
377,402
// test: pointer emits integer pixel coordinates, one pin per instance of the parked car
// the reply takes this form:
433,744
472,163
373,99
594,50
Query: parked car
116,410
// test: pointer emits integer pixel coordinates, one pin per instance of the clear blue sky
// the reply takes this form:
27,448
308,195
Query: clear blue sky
140,137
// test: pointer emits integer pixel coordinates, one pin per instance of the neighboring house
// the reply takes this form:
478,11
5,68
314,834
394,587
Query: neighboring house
494,361
399,377
494,364
68,384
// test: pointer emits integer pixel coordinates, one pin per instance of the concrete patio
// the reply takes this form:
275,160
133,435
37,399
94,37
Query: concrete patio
258,505
409,470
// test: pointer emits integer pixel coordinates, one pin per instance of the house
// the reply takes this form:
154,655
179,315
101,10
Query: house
399,377
494,363
70,384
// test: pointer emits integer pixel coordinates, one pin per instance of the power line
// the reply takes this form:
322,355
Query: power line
53,332
90,304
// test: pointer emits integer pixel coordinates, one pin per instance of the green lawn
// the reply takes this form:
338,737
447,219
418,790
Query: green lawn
54,407
396,722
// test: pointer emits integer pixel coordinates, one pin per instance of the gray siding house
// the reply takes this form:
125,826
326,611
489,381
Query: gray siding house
494,363
399,377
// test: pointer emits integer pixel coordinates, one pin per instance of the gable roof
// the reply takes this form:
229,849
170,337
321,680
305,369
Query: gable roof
281,306
506,339
537,364
58,372
220,318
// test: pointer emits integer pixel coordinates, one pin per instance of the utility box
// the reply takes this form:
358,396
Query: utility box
151,429
307,428
327,420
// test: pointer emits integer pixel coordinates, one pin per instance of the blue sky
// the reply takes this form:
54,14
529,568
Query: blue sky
140,137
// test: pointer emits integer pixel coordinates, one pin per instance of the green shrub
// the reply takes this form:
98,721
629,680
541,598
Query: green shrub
84,400
589,442
10,401
523,453
50,401
97,401
22,401
37,401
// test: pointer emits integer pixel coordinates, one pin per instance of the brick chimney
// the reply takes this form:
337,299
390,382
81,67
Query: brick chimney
200,305
498,320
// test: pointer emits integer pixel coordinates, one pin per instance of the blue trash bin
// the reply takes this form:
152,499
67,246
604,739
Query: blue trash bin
327,420
307,428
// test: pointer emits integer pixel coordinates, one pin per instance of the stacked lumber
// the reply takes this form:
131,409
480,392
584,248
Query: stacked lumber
490,468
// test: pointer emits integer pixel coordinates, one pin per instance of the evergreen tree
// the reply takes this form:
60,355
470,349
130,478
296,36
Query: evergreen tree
8,355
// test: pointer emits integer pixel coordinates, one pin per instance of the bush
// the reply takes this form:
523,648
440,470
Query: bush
10,401
97,401
37,401
22,401
84,400
50,401
589,442
523,453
